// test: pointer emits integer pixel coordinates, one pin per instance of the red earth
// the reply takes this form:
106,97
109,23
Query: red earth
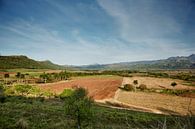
98,87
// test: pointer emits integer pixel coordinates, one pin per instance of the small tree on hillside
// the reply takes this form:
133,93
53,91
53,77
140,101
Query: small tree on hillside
78,106
135,82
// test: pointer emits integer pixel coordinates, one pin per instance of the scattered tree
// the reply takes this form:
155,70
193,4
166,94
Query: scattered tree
173,84
135,82
128,87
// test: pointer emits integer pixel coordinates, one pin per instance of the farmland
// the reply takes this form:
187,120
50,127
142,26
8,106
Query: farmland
106,88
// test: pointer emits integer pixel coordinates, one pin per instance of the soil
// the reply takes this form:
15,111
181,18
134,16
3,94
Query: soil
98,87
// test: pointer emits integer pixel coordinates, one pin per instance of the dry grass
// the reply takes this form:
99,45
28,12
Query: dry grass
158,83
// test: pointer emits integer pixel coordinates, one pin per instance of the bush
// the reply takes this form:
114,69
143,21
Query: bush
66,93
135,82
128,87
173,84
142,87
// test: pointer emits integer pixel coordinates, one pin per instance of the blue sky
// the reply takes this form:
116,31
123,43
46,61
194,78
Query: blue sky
78,32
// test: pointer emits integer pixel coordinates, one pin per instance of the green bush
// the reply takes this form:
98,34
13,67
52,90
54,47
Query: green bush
142,87
66,93
128,87
23,89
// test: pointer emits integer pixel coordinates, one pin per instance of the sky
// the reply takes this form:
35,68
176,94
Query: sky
80,32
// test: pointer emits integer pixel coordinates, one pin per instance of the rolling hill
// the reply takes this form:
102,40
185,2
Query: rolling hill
179,62
12,62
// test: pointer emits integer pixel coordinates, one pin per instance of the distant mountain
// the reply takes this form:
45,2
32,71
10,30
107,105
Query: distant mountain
170,63
11,62
179,62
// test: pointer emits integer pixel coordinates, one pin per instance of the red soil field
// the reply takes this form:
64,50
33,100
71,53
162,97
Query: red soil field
98,87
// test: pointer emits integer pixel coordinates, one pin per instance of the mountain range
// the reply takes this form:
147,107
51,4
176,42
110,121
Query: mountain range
179,62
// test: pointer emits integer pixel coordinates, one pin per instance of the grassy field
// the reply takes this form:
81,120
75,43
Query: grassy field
40,113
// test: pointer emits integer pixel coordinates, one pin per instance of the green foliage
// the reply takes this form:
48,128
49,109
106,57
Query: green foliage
47,94
50,114
13,62
176,92
157,74
66,93
128,87
52,77
23,89
78,106
19,75
173,84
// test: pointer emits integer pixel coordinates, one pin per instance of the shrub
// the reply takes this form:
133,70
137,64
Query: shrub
142,87
79,106
66,93
135,82
21,89
173,84
128,87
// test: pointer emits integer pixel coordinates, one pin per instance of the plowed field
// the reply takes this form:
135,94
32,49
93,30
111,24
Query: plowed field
98,87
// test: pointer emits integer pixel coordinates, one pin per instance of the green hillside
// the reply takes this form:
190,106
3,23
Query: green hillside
12,62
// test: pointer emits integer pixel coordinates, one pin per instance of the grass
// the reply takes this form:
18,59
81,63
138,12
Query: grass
40,113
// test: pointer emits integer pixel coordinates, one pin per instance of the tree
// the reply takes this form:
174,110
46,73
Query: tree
18,75
78,106
128,87
173,84
135,82
6,75
44,76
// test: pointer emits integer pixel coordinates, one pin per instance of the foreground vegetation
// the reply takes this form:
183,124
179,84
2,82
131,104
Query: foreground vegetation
19,110
24,112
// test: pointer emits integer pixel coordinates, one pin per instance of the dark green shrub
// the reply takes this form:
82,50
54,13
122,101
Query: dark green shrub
173,84
135,82
128,87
